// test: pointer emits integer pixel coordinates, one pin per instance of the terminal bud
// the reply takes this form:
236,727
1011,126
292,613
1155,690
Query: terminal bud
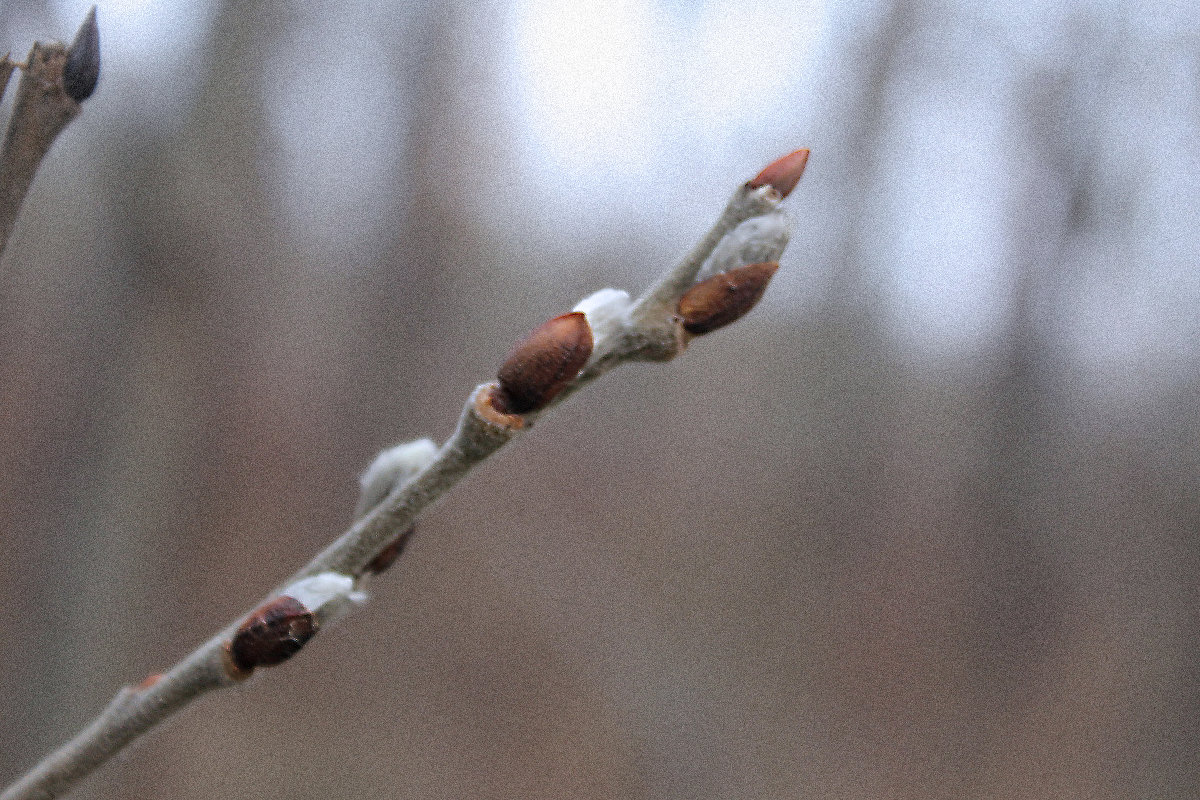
782,174
82,70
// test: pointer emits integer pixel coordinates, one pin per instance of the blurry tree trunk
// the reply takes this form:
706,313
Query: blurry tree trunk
413,306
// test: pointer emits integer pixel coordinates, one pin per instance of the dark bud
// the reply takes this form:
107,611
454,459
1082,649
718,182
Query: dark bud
725,297
782,174
82,69
388,555
272,634
541,366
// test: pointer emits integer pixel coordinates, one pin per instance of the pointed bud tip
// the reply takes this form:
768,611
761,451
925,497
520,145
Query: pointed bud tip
782,174
543,364
724,298
82,70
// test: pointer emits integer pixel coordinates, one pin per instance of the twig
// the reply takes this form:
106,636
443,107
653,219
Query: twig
569,351
6,69
55,79
652,312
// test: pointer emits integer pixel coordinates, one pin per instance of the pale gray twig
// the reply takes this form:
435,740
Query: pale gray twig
652,313
395,490
6,70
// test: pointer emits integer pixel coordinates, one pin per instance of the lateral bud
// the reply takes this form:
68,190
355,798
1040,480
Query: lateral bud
272,634
82,70
756,240
148,681
783,173
388,555
543,364
724,298
276,630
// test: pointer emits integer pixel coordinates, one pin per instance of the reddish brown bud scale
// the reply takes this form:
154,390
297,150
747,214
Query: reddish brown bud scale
782,174
272,634
388,555
150,680
725,297
543,364
488,407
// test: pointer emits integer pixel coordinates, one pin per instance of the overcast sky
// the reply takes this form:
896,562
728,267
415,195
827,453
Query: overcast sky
617,104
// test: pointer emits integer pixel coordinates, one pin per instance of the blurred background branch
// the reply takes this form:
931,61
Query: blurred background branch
55,79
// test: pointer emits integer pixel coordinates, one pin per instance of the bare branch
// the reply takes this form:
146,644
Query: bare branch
6,70
55,79
544,369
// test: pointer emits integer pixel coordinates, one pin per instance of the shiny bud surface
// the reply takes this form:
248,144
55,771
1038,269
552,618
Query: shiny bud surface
543,364
724,298
782,174
272,634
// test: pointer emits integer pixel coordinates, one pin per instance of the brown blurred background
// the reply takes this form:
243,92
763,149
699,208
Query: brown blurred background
924,525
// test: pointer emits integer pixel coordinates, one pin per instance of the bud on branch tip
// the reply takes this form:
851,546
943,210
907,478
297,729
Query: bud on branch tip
82,70
543,364
724,298
782,174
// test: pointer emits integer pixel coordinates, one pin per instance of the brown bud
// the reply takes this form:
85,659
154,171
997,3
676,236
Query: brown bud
541,366
388,555
272,634
782,174
725,297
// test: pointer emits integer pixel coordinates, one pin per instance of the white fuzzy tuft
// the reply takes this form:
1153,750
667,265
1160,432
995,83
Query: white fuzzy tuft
607,312
329,595
754,241
391,468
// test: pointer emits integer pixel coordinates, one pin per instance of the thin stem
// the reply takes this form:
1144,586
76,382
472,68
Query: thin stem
132,712
479,433
55,79
6,69
473,440
136,710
